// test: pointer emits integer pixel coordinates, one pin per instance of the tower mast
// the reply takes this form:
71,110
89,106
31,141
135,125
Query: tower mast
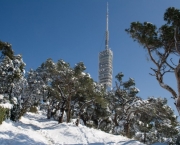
107,31
105,60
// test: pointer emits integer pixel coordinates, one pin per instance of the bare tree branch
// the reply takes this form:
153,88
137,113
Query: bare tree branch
172,62
150,54
169,65
152,74
167,72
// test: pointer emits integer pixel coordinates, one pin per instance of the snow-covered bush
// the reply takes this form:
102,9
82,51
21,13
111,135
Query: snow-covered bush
157,122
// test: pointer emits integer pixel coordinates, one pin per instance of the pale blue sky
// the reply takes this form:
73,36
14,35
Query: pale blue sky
74,30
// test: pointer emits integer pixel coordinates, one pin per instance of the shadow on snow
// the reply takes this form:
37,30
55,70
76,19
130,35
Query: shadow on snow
17,139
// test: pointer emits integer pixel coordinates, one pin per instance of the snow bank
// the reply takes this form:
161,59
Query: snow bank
19,134
35,129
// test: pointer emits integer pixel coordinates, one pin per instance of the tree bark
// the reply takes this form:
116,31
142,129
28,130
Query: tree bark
177,74
144,137
61,117
69,109
115,120
77,122
48,113
126,128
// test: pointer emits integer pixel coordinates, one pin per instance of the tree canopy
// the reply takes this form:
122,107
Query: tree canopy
163,46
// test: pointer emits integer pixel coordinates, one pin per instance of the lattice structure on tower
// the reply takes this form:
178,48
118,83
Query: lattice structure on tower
105,61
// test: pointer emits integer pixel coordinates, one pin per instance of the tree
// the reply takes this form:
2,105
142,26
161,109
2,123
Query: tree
120,101
153,121
162,45
132,114
32,92
97,115
12,78
65,90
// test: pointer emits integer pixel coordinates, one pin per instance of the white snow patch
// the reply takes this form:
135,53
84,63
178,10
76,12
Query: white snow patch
1,96
6,105
36,129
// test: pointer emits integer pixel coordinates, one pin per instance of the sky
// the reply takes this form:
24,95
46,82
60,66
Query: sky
74,30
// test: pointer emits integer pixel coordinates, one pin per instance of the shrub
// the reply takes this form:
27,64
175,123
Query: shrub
33,109
4,114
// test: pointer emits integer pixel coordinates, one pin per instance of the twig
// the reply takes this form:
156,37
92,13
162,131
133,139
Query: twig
172,62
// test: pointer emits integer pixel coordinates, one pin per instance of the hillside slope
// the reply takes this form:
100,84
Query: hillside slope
35,129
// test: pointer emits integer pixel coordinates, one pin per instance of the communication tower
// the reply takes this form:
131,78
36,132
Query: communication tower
105,61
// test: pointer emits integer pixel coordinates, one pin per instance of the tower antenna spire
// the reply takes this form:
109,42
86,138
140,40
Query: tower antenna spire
107,31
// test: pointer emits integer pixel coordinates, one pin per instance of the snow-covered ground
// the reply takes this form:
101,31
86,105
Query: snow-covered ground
35,129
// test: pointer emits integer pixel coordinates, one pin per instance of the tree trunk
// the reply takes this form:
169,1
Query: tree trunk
69,109
84,119
48,113
99,122
77,121
115,120
177,74
144,137
126,128
61,117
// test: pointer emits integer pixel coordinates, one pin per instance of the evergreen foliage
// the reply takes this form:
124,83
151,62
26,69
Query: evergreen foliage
63,90
163,45
159,124
11,78
4,114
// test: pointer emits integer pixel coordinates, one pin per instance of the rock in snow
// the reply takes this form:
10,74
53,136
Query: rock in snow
35,129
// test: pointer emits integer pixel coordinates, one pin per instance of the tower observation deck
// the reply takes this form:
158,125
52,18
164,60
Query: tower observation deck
105,60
